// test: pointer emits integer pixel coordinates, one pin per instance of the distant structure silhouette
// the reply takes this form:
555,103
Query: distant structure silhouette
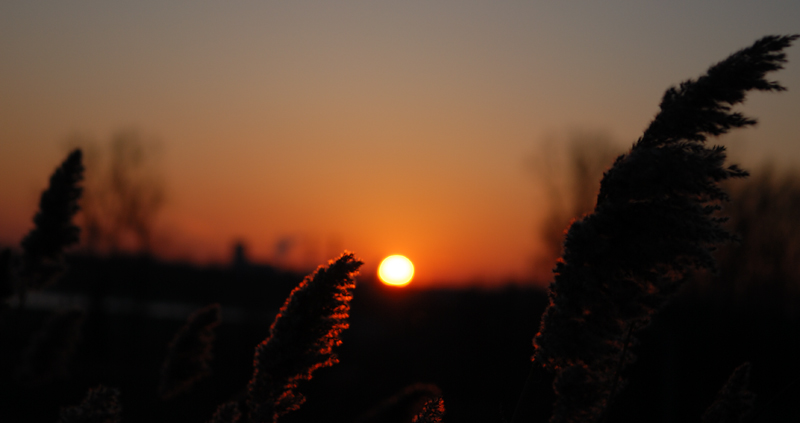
240,259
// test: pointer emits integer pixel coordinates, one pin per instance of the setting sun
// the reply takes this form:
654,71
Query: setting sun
396,270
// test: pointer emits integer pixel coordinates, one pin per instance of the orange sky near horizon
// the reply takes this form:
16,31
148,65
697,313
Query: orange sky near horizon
401,128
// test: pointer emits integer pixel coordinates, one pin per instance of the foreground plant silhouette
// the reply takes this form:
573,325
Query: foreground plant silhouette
403,406
48,355
654,221
41,263
101,405
301,339
432,412
189,356
734,401
43,248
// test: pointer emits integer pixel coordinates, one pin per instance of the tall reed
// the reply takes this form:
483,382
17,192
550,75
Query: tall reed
43,248
654,221
301,339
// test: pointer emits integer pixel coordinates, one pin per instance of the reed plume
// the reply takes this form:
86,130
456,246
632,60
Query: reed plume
432,412
734,401
301,339
189,353
401,407
43,247
654,221
47,357
227,413
101,405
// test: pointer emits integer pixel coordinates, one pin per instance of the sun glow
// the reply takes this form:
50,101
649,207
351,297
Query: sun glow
396,270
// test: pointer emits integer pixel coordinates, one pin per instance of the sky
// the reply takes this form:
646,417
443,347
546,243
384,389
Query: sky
305,128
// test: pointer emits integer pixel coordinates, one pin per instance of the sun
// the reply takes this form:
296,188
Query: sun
396,270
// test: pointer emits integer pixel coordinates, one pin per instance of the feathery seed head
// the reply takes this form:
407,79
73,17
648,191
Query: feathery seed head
655,220
302,339
54,231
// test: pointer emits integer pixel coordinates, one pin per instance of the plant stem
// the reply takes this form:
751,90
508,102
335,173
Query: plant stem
533,401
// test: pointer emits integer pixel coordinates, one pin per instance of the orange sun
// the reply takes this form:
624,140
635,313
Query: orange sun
396,270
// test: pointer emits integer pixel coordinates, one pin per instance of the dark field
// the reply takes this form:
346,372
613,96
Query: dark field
475,345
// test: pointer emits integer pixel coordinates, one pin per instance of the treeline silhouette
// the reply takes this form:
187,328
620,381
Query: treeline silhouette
123,192
437,355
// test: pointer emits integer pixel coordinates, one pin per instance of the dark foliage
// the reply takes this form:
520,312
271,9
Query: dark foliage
189,355
432,412
701,108
43,247
226,413
6,273
654,221
101,405
403,406
51,349
301,339
734,401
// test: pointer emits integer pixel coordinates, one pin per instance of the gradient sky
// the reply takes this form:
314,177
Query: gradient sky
380,127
